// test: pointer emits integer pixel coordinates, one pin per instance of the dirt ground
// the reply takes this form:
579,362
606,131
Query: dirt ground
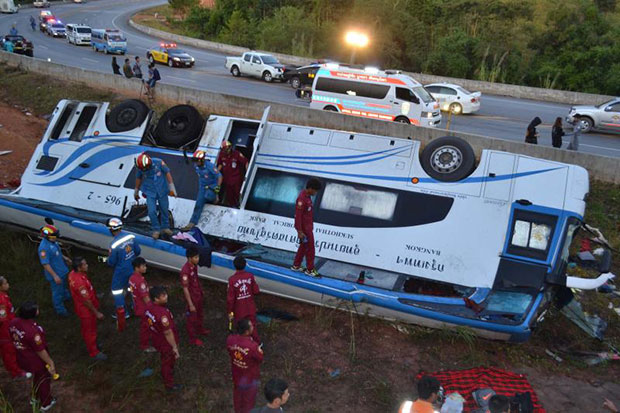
334,361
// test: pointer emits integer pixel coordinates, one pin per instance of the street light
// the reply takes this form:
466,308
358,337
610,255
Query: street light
356,40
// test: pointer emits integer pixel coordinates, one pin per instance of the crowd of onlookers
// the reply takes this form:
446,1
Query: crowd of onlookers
557,133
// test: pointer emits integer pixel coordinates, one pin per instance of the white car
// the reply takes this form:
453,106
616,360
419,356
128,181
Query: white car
454,98
41,3
255,64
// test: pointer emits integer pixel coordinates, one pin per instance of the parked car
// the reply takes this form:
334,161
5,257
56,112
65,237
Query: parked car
605,116
20,44
301,76
78,33
169,54
255,64
40,3
56,29
45,20
454,98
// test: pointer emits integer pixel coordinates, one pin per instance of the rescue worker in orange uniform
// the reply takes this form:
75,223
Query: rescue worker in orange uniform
164,333
242,288
7,350
233,165
194,297
304,224
86,306
33,354
141,300
245,358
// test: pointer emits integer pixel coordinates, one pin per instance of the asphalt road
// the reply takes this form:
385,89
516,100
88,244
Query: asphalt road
499,116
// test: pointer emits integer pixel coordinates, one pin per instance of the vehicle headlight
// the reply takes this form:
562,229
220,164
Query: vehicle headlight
427,115
192,59
176,59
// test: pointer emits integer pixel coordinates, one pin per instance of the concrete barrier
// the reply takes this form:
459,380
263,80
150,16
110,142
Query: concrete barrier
601,168
502,89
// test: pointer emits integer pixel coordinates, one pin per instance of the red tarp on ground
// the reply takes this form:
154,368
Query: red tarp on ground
467,381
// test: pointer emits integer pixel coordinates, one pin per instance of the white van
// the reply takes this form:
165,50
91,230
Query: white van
371,93
78,33
8,6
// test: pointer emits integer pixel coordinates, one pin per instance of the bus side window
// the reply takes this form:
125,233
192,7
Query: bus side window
407,95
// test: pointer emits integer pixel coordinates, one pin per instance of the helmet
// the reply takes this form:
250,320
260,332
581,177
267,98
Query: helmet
49,231
199,155
114,224
226,144
143,161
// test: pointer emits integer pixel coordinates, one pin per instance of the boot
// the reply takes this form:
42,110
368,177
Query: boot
120,319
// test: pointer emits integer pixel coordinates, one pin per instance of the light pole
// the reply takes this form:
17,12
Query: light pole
356,40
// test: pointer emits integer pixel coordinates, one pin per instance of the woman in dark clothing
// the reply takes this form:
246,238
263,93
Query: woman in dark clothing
531,135
556,133
115,67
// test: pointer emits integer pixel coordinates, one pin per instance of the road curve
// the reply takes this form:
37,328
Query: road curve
499,116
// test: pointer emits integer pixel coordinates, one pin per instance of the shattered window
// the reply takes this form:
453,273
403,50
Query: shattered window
531,235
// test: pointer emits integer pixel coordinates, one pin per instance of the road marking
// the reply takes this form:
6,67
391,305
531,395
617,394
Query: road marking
90,60
42,47
600,147
181,79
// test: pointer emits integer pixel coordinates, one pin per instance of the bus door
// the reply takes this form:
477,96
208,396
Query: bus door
251,172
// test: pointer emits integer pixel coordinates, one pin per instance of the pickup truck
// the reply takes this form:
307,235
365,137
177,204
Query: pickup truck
255,64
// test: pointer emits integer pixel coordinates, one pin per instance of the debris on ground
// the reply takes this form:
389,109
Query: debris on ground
594,325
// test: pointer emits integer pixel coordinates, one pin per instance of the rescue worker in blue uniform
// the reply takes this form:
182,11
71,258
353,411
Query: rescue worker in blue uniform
155,181
123,250
55,268
209,182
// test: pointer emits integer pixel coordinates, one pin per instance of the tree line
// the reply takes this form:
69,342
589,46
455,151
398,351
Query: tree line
562,44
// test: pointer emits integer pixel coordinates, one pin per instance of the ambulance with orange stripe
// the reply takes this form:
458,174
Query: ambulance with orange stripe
371,93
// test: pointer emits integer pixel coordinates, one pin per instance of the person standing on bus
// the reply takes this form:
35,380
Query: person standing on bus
209,181
233,166
304,224
531,135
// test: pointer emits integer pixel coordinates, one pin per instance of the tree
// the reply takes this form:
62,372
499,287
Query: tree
182,6
288,31
238,31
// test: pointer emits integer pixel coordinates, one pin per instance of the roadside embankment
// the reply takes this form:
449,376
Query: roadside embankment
602,168
501,89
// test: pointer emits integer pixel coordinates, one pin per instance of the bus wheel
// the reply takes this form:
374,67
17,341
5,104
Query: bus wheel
178,126
330,109
448,159
126,116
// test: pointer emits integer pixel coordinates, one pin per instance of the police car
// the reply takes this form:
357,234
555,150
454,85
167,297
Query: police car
168,53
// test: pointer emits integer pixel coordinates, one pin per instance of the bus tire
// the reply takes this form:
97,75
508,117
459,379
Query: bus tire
402,119
126,116
178,126
448,159
330,109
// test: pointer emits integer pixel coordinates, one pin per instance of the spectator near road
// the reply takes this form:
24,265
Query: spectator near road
304,225
209,181
115,67
154,76
242,288
141,301
127,69
556,133
276,393
164,333
33,354
155,181
7,350
573,145
245,357
33,24
233,165
55,268
86,306
531,134
194,297
428,392
499,403
137,68
123,249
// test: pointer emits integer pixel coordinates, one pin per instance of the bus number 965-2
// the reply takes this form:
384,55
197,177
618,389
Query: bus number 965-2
111,199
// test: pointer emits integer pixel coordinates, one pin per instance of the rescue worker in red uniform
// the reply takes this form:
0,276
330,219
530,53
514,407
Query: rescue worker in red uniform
233,165
32,353
242,288
194,297
141,300
164,334
86,306
304,225
7,350
245,357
